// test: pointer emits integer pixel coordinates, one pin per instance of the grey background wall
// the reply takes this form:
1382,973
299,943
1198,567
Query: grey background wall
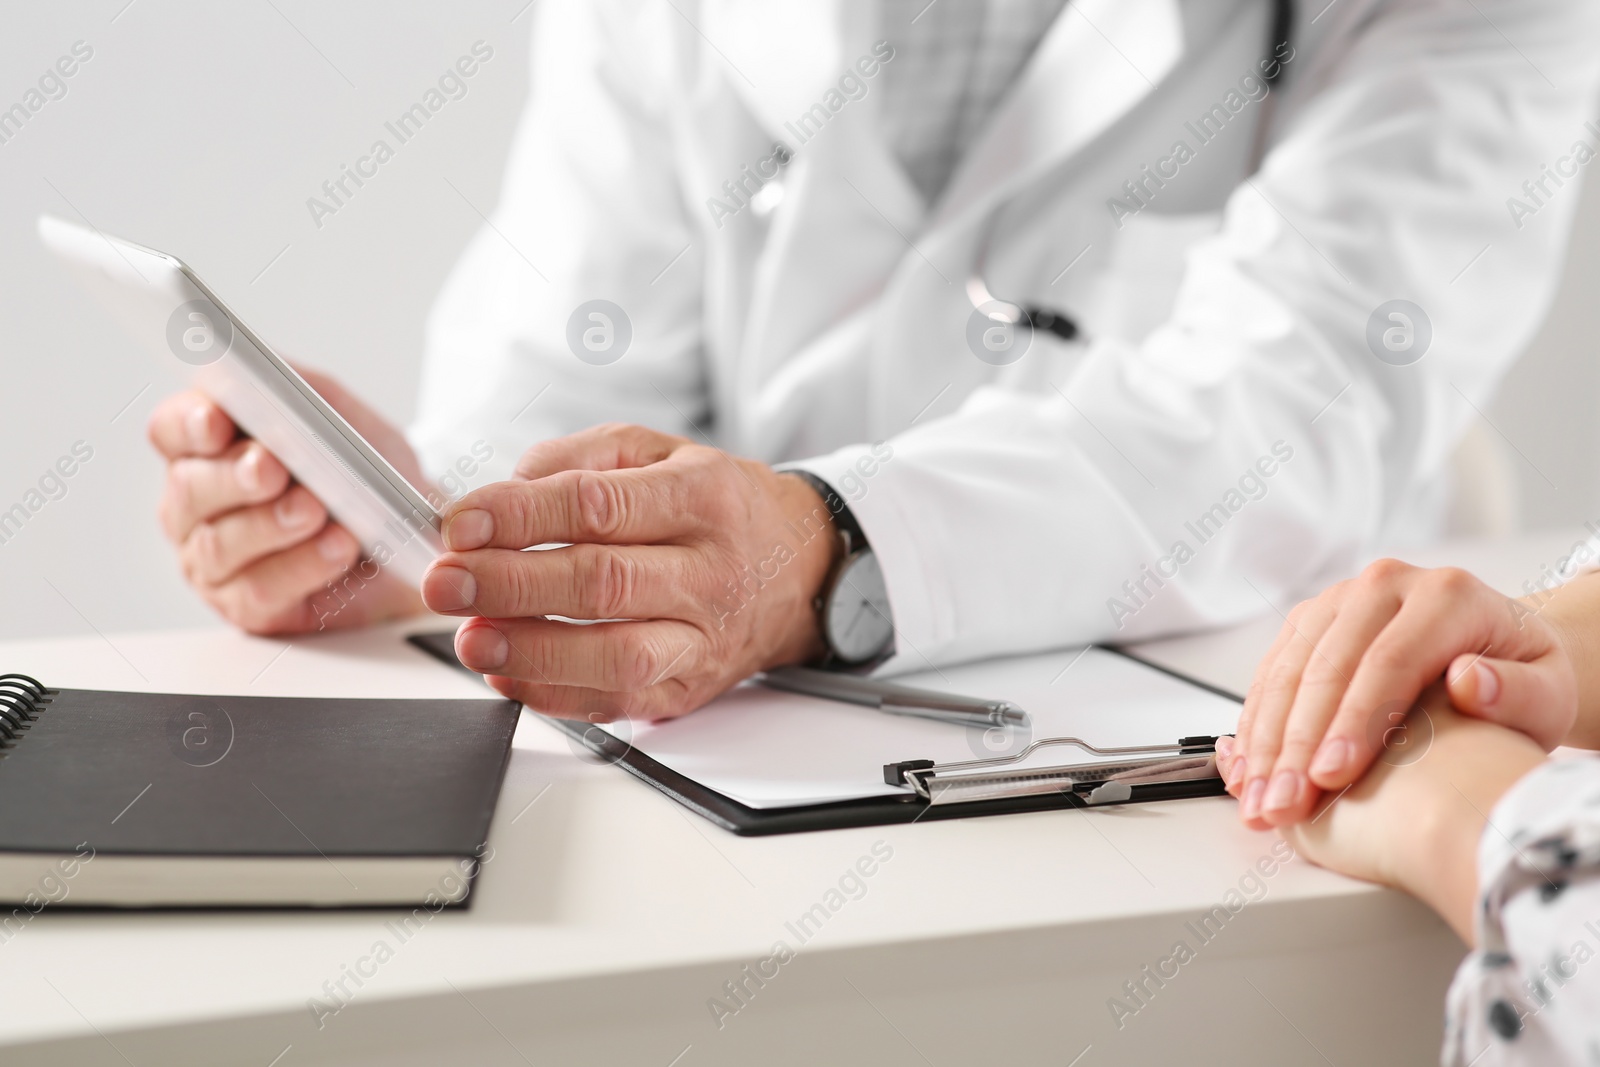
203,128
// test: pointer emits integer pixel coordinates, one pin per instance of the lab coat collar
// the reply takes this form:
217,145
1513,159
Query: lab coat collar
781,57
1097,61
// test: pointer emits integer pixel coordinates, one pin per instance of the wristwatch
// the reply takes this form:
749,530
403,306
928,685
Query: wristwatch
853,606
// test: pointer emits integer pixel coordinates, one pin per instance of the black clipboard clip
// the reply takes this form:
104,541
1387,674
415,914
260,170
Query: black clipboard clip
1107,782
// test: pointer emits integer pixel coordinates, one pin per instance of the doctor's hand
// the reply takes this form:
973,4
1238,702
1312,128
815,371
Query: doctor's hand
256,545
1346,667
703,567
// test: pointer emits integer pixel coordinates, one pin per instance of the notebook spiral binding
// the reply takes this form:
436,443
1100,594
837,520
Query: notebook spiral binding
21,699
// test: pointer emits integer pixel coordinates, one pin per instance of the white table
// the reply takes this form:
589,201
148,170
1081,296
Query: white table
609,917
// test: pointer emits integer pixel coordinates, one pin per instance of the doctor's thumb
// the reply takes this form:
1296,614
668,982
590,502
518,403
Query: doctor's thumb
1538,699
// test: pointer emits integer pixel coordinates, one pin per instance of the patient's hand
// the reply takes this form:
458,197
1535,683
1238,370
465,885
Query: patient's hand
705,563
257,546
1334,688
1416,826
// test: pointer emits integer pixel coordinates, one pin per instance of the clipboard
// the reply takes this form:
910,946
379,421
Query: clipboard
934,789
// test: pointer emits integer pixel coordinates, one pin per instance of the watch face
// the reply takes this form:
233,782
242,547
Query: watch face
856,615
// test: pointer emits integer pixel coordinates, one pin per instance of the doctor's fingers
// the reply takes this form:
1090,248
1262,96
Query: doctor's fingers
199,489
189,424
216,550
1447,613
613,656
607,447
664,502
1290,793
668,700
580,581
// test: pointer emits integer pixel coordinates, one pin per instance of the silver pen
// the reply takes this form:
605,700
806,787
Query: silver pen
893,698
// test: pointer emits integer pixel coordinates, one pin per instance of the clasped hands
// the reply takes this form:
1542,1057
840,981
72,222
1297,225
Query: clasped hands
1395,709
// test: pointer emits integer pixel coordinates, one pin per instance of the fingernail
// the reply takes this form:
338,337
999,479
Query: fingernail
1224,750
199,426
1236,771
248,469
1333,756
1488,684
449,588
482,648
468,530
1283,792
293,510
1250,806
334,546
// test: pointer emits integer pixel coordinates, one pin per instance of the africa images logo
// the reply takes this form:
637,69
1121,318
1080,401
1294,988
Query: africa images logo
599,332
198,333
1399,333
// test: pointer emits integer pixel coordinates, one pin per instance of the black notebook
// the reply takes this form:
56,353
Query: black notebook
159,800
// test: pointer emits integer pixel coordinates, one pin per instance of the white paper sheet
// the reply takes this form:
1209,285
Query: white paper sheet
768,749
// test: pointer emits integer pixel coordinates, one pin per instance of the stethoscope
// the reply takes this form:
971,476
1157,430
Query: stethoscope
1010,315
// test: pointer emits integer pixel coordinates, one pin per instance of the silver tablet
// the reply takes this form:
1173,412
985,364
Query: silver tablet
180,319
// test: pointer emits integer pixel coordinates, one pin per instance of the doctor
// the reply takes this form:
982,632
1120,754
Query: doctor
1268,251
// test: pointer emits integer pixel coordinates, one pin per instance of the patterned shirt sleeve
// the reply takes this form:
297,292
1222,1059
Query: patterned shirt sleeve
1530,994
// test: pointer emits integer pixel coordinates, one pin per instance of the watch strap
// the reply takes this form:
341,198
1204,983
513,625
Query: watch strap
855,543
844,520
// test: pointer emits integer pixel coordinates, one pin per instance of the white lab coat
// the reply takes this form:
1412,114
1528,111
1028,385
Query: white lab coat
1227,316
